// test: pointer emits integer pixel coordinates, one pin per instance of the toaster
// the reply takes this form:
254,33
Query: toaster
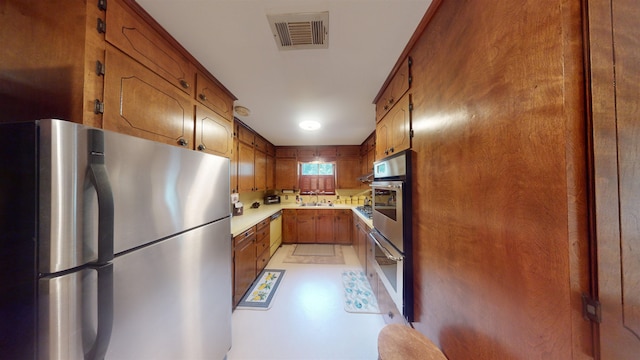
271,199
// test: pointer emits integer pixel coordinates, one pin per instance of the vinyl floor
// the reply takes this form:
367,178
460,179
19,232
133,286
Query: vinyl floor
307,319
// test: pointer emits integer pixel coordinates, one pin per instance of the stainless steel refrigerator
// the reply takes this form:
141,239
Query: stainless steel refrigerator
111,246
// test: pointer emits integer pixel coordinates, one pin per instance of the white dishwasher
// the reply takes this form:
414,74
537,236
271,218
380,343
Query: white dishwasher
275,232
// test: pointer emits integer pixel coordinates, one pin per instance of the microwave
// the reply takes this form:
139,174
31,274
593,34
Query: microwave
271,199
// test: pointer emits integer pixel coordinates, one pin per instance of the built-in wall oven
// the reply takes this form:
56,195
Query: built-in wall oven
392,233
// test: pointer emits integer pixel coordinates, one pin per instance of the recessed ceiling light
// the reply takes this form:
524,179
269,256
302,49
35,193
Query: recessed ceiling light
310,125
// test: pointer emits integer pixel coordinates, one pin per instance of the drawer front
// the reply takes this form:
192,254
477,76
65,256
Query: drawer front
138,39
262,244
247,235
263,223
262,261
263,233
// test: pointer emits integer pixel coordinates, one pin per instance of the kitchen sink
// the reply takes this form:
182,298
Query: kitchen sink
316,204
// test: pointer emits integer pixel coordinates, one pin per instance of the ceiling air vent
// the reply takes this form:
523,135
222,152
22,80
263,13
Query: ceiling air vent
300,31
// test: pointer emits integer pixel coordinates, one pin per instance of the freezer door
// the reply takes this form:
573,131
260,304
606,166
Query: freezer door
172,300
160,190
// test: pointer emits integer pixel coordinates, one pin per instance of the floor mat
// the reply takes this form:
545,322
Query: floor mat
314,250
262,291
337,258
358,296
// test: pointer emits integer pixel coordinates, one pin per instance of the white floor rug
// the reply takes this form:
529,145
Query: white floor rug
358,296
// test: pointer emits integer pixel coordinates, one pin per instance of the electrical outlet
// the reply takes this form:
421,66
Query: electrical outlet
286,197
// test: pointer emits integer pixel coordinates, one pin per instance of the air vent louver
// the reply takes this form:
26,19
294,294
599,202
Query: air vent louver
300,31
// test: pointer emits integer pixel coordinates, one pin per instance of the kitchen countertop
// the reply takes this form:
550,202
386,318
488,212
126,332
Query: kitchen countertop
251,216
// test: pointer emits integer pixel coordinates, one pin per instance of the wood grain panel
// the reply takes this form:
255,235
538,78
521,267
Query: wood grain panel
213,133
497,195
614,88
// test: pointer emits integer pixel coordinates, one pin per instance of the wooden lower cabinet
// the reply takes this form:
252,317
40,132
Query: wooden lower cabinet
324,226
342,226
306,226
360,236
244,263
250,256
289,226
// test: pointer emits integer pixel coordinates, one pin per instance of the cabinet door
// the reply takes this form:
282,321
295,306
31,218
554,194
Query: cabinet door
138,39
260,169
289,226
214,134
398,85
214,97
140,103
234,166
383,138
271,167
401,125
306,226
246,171
245,135
348,170
244,267
342,227
325,232
286,173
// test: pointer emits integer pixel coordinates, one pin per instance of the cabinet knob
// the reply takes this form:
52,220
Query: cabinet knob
201,147
386,107
183,142
391,150
184,84
202,97
391,101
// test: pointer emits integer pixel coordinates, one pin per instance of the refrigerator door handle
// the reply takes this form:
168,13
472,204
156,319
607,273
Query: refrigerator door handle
105,313
100,180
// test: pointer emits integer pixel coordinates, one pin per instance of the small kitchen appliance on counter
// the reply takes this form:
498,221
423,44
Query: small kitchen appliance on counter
271,199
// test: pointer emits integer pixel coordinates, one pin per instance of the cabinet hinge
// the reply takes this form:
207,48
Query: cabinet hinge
410,107
102,5
99,68
410,61
98,107
591,309
411,133
102,26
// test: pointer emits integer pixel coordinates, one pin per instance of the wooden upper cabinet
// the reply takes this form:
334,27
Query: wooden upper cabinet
245,134
348,151
213,133
214,97
306,153
246,168
398,86
286,173
139,103
271,149
326,153
286,152
260,168
128,32
347,172
260,143
393,133
271,172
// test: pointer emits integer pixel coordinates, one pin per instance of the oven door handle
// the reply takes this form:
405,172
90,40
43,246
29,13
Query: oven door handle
386,252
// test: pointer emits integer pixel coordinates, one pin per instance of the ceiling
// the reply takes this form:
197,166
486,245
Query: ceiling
335,86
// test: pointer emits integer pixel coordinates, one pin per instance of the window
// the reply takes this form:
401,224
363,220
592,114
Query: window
317,177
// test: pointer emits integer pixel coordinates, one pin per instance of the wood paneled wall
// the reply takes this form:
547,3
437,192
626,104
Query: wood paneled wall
500,234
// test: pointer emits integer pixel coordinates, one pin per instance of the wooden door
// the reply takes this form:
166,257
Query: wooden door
271,167
289,226
324,227
260,168
383,137
140,103
347,171
214,134
244,258
306,226
342,227
286,173
401,125
246,168
614,44
138,39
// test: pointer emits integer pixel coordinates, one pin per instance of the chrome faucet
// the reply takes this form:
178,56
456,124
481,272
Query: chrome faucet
316,195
